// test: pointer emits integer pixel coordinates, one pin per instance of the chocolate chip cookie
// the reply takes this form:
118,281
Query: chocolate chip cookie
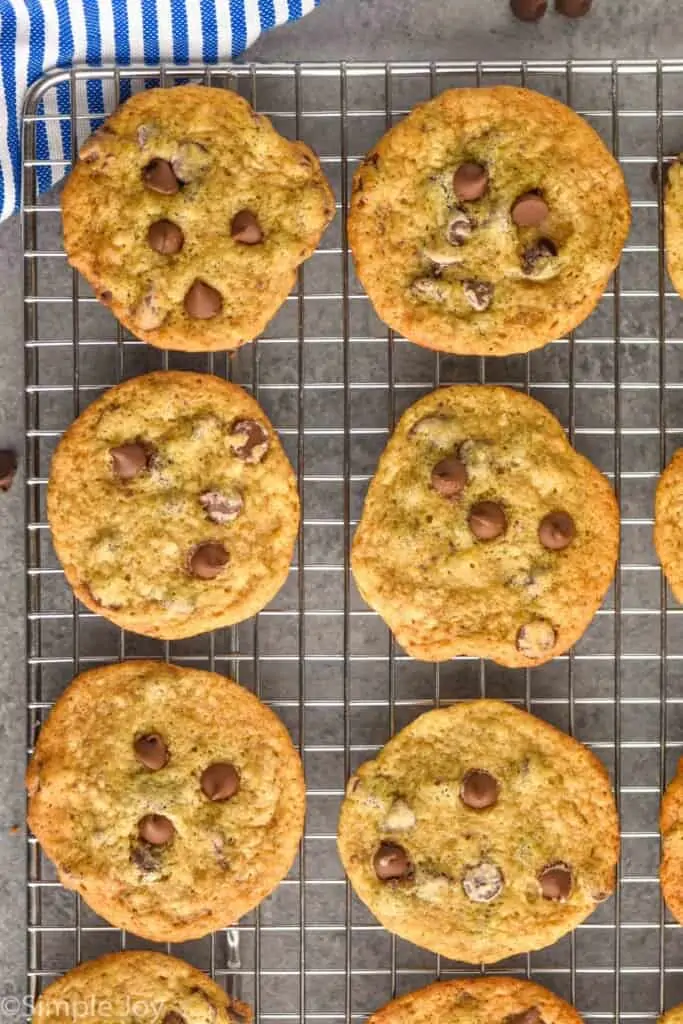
671,827
488,221
673,221
478,1000
173,507
171,799
480,832
668,529
189,215
484,533
137,986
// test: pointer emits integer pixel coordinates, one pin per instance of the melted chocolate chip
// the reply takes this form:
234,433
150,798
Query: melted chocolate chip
529,210
220,781
245,228
543,249
449,477
483,882
459,228
151,751
529,10
145,857
252,441
556,882
392,863
556,531
536,638
573,8
487,520
202,302
159,177
129,460
165,237
479,294
479,789
470,181
208,560
221,507
156,829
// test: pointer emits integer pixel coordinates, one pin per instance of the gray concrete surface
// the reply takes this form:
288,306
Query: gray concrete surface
363,29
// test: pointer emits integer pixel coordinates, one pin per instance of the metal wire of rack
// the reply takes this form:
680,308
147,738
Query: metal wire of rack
333,380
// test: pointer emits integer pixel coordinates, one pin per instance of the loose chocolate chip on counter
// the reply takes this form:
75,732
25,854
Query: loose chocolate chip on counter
530,1016
479,294
220,781
487,520
459,228
483,882
556,882
252,440
8,468
156,829
470,181
449,477
573,8
151,751
129,460
479,790
529,10
245,228
202,302
540,250
221,507
556,531
536,638
165,237
529,210
208,560
392,863
159,177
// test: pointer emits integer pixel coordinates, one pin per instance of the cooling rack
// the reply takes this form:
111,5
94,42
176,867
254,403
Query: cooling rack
333,380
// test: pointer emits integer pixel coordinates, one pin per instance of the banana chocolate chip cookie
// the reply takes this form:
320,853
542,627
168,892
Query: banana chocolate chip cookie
138,987
171,799
189,215
480,832
487,1000
484,533
668,531
488,221
173,507
671,827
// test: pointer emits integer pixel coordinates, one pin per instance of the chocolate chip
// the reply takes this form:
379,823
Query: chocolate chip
252,441
129,460
556,531
173,1017
245,228
536,638
151,751
208,560
487,520
449,477
220,781
459,228
556,882
202,302
165,237
221,507
573,8
529,210
159,177
429,288
530,1016
105,296
479,294
483,882
470,181
156,829
543,249
479,790
392,863
145,857
8,468
529,10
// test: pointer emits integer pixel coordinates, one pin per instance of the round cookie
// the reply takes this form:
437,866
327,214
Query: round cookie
671,827
488,1000
488,221
189,215
673,223
136,987
171,799
173,507
672,1016
480,832
668,529
483,532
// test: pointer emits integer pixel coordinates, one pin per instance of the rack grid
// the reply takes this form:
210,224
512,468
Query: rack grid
333,380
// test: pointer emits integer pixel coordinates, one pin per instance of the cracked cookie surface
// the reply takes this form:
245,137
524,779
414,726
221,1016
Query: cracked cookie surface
189,215
480,832
173,507
488,221
123,797
136,987
484,533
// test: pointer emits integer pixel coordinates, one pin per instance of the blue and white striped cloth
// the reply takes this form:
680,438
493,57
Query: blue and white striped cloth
37,35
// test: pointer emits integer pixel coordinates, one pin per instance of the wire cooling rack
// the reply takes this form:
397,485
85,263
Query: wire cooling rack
333,380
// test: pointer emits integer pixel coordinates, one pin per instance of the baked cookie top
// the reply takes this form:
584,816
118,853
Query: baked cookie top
668,530
671,827
189,214
488,1000
488,221
173,507
483,532
171,799
673,223
480,832
137,987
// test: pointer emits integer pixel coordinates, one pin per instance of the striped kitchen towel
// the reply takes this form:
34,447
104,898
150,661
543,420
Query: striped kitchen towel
36,35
